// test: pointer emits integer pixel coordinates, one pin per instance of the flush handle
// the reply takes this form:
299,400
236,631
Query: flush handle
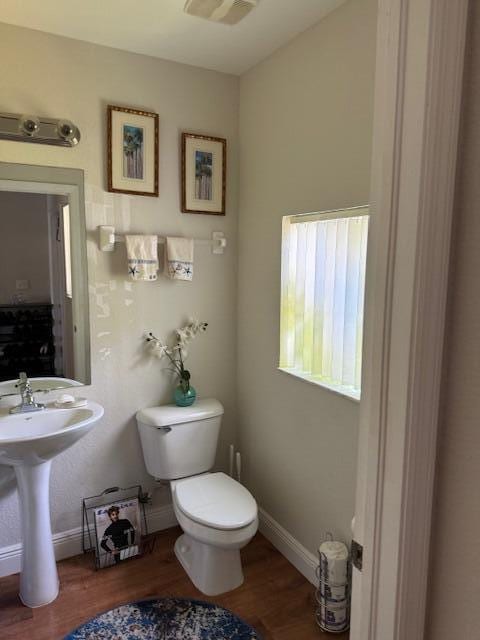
165,429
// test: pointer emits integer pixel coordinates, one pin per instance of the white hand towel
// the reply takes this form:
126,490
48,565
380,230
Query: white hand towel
142,255
179,258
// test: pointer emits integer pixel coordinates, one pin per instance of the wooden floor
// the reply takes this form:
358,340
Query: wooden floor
275,598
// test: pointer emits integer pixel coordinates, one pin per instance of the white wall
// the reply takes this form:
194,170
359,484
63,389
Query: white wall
54,76
455,559
305,133
24,256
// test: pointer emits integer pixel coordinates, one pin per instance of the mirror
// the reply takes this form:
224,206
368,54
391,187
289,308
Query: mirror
44,322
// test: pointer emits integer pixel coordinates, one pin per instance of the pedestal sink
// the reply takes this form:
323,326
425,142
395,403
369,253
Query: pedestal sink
28,442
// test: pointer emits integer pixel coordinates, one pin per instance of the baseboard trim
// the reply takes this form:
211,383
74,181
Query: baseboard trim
69,543
301,558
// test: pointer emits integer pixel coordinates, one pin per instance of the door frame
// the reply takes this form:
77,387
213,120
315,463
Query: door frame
62,323
419,69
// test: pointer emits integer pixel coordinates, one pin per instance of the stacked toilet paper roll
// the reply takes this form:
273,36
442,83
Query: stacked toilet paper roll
333,593
334,561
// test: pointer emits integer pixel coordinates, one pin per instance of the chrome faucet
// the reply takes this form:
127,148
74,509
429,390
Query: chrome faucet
27,403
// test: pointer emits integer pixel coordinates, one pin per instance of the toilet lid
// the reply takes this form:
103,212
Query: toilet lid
216,500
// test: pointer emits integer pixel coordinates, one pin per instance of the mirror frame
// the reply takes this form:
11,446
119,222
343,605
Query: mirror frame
70,182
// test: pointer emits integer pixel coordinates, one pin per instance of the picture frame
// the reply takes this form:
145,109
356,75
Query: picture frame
118,531
204,167
132,155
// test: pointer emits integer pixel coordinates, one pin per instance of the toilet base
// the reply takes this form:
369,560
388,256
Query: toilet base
212,570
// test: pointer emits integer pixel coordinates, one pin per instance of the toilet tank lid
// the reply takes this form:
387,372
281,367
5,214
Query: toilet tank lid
170,414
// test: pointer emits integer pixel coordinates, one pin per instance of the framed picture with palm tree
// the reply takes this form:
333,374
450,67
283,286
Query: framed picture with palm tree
132,151
204,160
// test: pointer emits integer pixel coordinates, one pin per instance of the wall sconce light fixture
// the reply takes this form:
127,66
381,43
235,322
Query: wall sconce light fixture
25,128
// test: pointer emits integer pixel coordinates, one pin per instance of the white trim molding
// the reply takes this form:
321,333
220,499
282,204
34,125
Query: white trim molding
69,543
294,552
420,58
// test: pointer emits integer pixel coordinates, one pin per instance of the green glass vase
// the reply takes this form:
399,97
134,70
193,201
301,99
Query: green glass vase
184,396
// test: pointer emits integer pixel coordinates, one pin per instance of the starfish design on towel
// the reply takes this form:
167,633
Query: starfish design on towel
132,270
188,271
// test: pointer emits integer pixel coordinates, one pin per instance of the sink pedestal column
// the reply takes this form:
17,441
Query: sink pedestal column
39,578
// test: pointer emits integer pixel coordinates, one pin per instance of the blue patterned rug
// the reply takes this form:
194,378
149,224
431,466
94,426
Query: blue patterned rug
166,619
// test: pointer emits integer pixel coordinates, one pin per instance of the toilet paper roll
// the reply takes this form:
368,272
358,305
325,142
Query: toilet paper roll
333,563
331,593
333,618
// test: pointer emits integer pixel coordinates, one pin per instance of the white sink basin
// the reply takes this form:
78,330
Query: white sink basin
28,442
33,438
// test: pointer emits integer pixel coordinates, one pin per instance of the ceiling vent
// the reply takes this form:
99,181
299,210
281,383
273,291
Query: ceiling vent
226,11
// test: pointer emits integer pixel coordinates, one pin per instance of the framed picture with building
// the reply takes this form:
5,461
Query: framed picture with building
204,160
132,140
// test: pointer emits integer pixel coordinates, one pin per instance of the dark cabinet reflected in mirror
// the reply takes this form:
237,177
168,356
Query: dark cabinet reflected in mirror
43,288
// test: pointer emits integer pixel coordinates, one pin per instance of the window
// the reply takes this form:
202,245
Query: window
322,295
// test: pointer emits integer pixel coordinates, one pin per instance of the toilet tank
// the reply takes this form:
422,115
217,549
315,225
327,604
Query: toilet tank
178,442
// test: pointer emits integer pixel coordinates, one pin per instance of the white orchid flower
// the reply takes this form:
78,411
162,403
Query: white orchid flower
178,353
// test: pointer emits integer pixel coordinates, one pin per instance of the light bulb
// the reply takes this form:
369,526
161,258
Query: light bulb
68,131
29,125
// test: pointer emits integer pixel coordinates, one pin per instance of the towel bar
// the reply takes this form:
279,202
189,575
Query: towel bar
107,239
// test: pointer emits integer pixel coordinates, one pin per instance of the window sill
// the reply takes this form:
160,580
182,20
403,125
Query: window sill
346,392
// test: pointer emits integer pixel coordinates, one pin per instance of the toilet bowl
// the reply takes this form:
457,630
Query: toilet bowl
218,515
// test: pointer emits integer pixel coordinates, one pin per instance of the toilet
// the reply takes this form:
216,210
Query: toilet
217,514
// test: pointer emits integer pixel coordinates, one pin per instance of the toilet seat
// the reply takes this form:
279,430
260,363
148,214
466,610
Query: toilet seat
215,500
218,538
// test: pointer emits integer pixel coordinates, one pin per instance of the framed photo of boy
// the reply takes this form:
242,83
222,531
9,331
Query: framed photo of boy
204,160
132,139
117,531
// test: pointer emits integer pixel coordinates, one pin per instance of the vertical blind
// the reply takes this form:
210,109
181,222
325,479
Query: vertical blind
322,297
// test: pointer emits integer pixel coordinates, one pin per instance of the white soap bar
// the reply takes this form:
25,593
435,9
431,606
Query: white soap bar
70,404
66,397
